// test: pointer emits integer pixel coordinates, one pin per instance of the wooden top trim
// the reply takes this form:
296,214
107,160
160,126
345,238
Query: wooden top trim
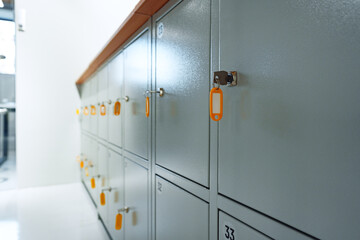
137,18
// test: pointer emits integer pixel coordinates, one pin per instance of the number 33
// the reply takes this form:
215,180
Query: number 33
229,233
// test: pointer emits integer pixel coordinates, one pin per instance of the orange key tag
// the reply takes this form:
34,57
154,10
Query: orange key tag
147,106
117,107
93,110
118,221
77,111
216,104
92,181
86,111
102,199
82,164
86,171
102,110
78,159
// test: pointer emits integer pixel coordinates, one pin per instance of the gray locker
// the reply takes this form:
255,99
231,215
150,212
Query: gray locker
102,183
182,70
85,103
233,229
116,78
102,78
137,75
136,200
179,214
290,135
93,102
116,196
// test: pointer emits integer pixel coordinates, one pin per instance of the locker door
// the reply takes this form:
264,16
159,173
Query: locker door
136,199
103,103
93,169
116,196
136,67
93,103
85,156
290,135
179,214
85,99
182,70
102,183
116,77
232,229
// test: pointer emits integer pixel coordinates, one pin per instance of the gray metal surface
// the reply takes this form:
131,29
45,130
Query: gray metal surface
93,168
102,79
136,80
93,100
116,78
136,199
179,214
103,182
85,102
232,229
116,196
182,69
290,135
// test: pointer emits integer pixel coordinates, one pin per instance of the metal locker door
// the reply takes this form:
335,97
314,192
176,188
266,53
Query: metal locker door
136,80
290,134
136,200
232,229
85,99
93,169
102,183
182,70
179,214
116,78
93,103
102,78
116,196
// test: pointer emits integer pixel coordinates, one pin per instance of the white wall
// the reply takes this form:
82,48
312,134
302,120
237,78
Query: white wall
62,37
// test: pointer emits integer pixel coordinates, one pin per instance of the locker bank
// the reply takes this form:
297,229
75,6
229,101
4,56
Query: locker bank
186,120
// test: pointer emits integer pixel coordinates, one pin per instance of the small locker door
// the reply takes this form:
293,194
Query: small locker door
179,214
85,155
102,78
116,196
182,70
93,169
94,108
136,200
102,183
290,134
85,101
116,108
137,74
232,229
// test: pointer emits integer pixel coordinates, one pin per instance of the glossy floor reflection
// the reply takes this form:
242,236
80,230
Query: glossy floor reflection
54,212
8,173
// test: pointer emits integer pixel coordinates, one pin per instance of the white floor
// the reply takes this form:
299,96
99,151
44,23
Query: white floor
62,212
8,173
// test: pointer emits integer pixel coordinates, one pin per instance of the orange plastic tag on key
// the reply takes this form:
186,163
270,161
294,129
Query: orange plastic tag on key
86,171
216,104
82,164
102,110
102,199
118,221
78,158
92,181
147,106
93,110
86,111
77,111
117,107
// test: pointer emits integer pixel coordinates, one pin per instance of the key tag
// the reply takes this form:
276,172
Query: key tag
216,103
86,111
102,110
147,110
93,110
86,171
81,164
117,108
92,181
102,198
77,111
118,221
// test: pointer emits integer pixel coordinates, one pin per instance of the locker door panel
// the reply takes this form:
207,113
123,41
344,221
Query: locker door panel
93,102
136,199
231,228
93,169
103,182
290,135
179,215
103,100
85,100
182,69
116,196
136,67
116,77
